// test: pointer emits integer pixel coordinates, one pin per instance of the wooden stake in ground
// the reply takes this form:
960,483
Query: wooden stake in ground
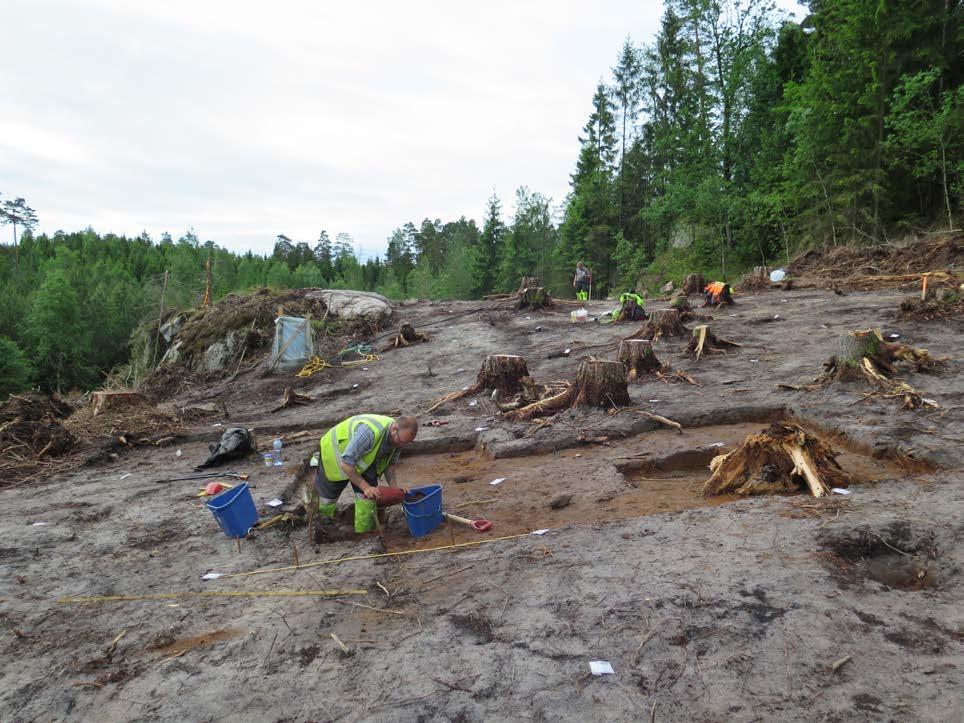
529,282
601,383
662,322
782,458
705,342
638,357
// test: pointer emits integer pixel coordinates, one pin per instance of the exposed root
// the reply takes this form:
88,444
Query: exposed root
406,337
554,396
865,356
291,398
662,322
782,458
705,342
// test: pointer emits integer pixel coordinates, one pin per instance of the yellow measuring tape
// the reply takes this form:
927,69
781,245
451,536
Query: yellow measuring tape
372,557
209,593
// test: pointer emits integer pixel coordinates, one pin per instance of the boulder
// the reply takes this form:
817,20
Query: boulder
343,304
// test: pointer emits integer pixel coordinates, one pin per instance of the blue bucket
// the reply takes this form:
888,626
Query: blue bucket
424,514
234,510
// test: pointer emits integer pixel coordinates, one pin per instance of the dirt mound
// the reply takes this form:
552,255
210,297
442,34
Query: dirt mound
33,408
857,266
930,310
137,422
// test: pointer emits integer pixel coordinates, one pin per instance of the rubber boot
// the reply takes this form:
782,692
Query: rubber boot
328,510
365,511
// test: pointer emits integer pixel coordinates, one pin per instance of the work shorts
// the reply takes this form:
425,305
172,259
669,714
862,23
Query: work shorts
332,490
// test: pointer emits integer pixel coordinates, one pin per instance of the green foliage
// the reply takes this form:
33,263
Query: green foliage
15,371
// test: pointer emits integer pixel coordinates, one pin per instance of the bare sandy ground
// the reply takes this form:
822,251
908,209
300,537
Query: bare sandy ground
707,610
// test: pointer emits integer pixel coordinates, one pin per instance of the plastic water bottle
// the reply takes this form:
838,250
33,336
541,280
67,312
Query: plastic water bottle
277,452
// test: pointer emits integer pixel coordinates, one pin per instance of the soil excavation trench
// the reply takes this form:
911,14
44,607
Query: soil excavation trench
657,472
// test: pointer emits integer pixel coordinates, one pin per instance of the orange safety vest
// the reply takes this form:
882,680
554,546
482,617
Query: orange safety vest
716,288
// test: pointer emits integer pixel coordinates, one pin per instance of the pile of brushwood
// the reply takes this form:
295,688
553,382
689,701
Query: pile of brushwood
783,458
886,265
31,433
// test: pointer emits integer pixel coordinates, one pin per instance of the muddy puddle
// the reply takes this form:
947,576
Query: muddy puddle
654,473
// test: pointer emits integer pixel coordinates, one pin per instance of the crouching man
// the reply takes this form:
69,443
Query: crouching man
358,451
717,293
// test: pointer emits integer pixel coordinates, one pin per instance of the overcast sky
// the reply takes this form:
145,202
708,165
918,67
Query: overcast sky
245,120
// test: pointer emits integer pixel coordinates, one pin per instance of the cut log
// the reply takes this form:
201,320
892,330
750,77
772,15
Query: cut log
782,458
705,342
638,357
104,400
553,397
601,383
533,297
694,284
662,322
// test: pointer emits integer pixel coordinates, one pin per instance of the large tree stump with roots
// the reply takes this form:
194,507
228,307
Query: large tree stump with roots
782,458
638,357
529,282
662,322
601,383
865,356
705,341
503,372
534,297
694,284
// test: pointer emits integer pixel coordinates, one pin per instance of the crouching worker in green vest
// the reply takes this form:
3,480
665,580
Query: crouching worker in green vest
358,451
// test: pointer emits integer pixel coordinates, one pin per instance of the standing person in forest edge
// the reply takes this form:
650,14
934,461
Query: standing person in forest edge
359,450
582,281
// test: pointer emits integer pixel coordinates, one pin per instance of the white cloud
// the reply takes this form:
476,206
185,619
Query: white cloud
245,119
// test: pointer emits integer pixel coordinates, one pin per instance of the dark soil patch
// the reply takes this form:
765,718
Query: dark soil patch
897,555
476,625
307,655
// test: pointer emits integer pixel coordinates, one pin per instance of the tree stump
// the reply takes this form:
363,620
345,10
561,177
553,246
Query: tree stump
694,284
104,400
680,302
529,282
638,357
533,297
662,322
601,383
406,337
852,349
503,372
705,341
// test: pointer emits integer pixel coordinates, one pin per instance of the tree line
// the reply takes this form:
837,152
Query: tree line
733,138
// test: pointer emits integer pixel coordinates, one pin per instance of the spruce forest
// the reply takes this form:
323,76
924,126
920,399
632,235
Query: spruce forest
735,138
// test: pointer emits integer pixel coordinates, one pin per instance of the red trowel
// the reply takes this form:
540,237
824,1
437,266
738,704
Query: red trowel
479,525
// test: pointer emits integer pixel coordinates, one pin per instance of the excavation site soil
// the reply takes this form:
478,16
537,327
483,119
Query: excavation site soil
605,544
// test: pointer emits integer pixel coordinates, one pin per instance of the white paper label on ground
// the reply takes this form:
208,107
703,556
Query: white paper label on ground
211,575
473,403
539,532
178,453
754,360
364,369
354,386
481,429
126,475
465,389
497,481
601,667
40,524
275,502
717,444
459,370
840,491
929,402
653,401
